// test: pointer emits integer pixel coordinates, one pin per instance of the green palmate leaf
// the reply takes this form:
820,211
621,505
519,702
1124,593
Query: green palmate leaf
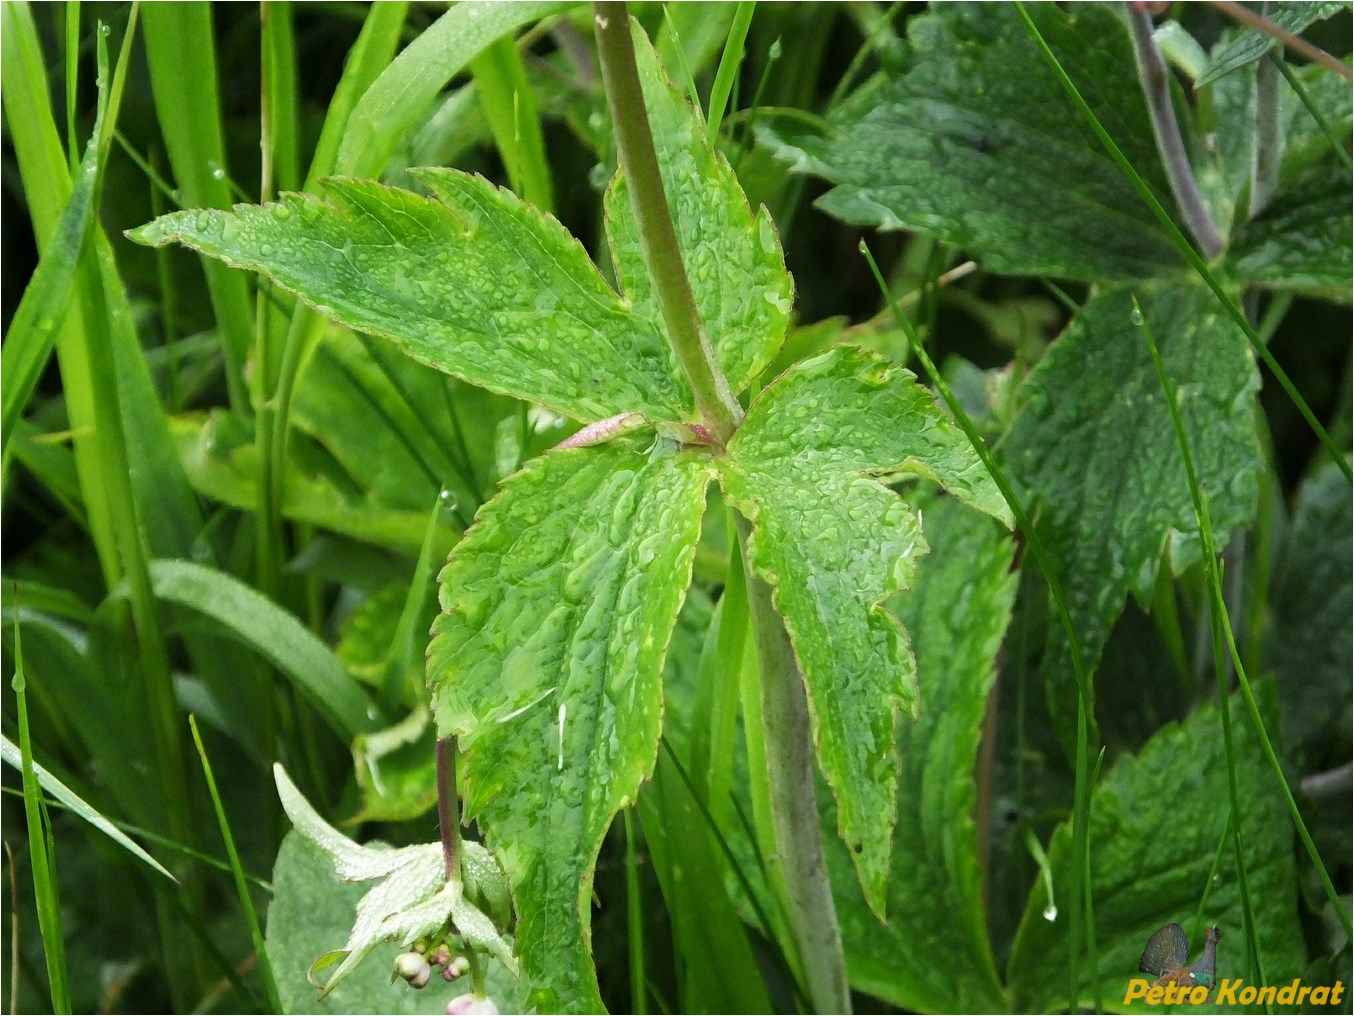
1157,822
546,662
934,955
1252,44
732,258
1094,449
964,143
1302,241
835,543
475,283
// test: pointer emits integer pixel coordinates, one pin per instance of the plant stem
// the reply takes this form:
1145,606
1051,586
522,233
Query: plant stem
448,819
1156,85
1268,150
658,236
794,801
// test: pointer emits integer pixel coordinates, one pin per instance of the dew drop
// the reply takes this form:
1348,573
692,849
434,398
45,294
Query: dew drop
1135,315
218,173
106,30
1050,913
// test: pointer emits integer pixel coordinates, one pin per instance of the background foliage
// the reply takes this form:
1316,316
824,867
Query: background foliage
217,504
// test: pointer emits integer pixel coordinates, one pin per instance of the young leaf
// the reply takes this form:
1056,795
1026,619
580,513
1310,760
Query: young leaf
964,145
413,898
732,258
1093,446
934,955
835,543
1156,824
546,663
475,283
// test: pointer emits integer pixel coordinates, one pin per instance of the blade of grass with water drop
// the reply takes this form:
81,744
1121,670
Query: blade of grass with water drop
1223,625
1081,903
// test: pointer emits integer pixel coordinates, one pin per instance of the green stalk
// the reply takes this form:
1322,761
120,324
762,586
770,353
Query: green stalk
729,63
794,804
658,236
237,872
1156,86
45,894
634,904
785,721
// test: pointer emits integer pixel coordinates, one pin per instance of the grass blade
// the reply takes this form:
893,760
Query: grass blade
729,63
1223,625
182,56
276,634
370,55
32,332
1186,248
43,863
73,802
237,871
400,95
510,107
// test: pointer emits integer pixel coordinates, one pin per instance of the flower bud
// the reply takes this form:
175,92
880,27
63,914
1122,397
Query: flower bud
413,968
471,1005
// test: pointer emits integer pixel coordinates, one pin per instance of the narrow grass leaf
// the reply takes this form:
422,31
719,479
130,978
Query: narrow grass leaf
369,56
11,753
181,52
42,858
32,331
276,634
510,107
404,90
237,871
